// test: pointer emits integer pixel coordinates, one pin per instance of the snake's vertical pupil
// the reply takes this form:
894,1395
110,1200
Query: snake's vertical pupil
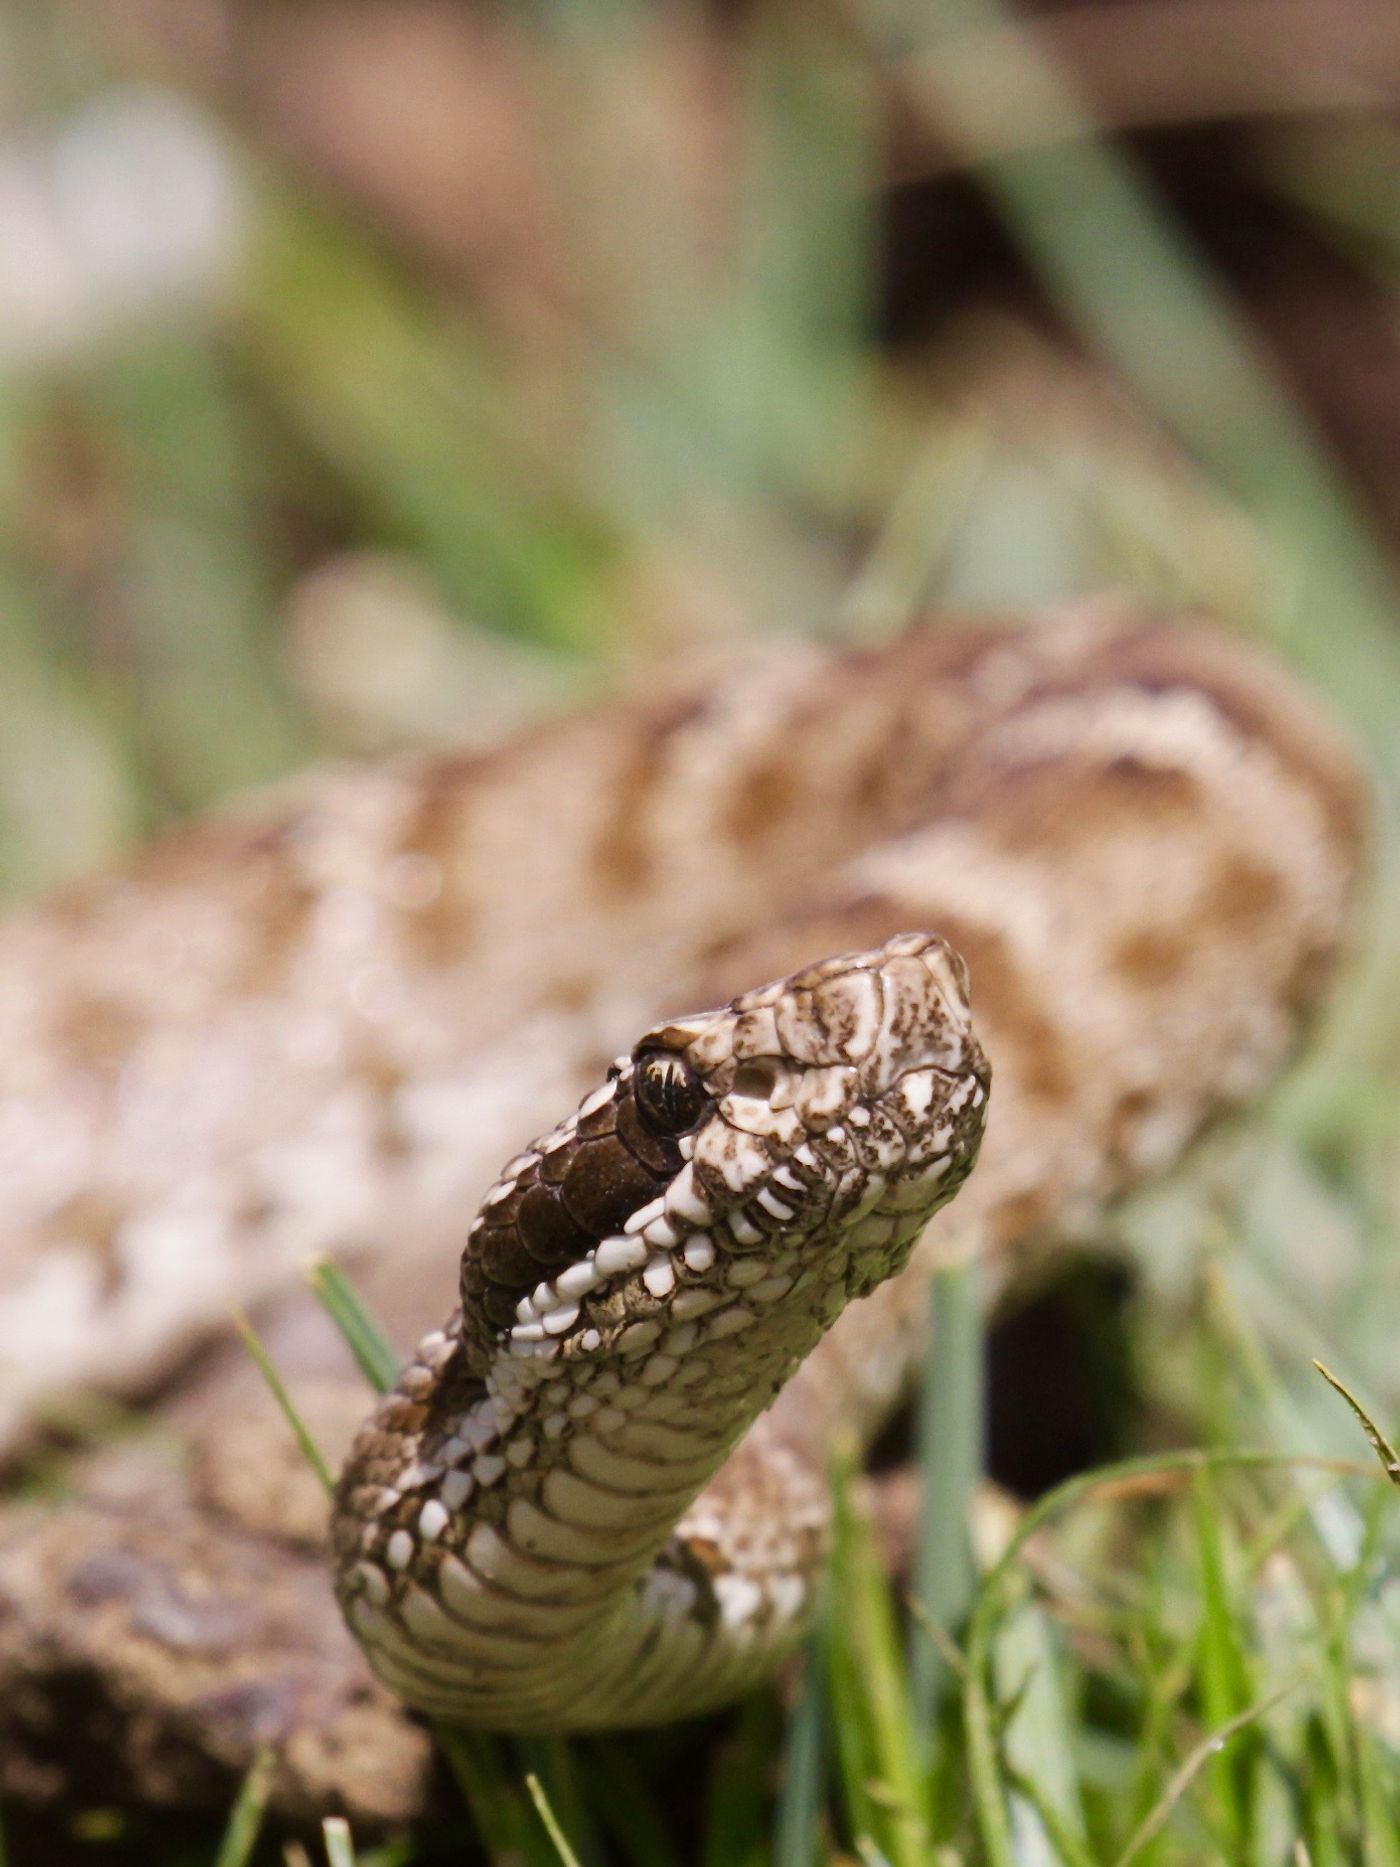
670,1097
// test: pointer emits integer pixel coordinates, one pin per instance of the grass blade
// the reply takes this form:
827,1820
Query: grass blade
1072,1849
738,1812
551,1760
625,1804
984,1765
246,1816
314,1456
373,1352
340,1850
950,1437
501,1807
551,1822
871,1856
1382,1447
1223,1675
1380,1800
1210,1746
883,1781
797,1825
1037,1744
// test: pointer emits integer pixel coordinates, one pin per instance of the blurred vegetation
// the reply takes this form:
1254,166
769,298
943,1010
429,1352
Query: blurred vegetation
303,453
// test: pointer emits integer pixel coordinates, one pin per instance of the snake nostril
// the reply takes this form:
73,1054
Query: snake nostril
756,1080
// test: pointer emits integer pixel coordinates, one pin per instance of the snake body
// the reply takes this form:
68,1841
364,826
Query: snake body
637,1289
323,1025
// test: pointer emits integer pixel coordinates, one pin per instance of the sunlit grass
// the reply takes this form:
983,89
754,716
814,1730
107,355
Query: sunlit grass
1164,1661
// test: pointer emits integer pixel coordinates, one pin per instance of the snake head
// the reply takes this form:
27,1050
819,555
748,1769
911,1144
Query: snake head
825,1116
841,1099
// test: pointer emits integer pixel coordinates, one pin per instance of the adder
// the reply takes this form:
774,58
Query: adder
321,1024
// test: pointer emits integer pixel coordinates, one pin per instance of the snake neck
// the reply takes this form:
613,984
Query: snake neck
482,1521
578,1460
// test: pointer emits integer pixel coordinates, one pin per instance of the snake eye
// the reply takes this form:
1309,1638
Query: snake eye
669,1095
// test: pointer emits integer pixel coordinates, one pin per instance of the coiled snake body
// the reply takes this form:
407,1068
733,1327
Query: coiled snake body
324,1026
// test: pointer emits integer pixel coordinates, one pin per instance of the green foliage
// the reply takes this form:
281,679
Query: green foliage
246,1816
1217,1694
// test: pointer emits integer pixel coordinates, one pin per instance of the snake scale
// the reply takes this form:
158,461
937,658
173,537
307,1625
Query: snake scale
320,1024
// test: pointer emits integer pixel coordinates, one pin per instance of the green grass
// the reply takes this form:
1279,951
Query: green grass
1163,1661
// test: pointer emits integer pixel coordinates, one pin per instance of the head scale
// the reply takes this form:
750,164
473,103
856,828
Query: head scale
828,1114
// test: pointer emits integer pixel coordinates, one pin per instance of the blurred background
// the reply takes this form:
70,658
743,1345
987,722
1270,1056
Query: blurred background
381,373
378,373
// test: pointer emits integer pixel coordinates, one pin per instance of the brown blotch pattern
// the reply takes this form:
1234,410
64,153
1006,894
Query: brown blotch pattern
440,931
624,857
276,927
1047,803
1129,1112
1015,1025
91,1220
1150,957
763,797
1241,897
1254,697
958,693
385,1076
97,1032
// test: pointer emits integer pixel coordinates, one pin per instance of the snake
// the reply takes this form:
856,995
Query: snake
318,1023
639,1286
